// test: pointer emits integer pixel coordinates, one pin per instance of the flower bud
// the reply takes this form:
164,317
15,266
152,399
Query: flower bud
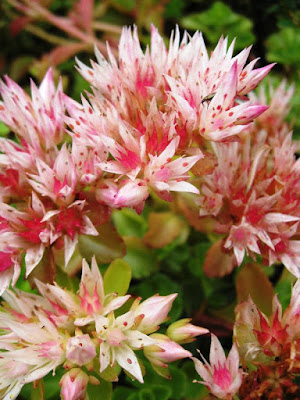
73,385
155,311
164,351
183,332
80,350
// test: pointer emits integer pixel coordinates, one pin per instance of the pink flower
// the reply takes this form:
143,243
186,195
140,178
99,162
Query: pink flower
183,332
39,122
73,384
258,335
80,350
252,198
89,303
222,376
119,338
154,311
164,351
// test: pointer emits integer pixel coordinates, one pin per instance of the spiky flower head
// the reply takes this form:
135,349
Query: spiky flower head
222,376
60,328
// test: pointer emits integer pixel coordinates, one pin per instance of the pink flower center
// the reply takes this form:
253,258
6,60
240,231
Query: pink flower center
116,337
129,159
222,377
69,222
33,228
90,304
240,235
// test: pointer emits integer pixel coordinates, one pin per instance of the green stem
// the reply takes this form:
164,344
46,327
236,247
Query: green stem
46,36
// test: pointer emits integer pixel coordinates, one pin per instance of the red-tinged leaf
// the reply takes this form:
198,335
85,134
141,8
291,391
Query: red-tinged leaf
217,262
164,228
106,247
64,52
18,24
252,281
82,14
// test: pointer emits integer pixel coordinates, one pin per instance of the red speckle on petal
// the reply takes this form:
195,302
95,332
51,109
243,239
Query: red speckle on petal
125,323
129,361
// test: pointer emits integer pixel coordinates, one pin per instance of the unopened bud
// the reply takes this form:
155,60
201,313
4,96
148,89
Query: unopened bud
73,385
164,351
183,332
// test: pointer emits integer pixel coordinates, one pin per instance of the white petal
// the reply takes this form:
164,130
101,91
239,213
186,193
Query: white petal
127,359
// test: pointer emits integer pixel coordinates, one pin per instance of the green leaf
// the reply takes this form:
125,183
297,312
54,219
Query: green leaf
121,392
4,130
126,4
111,374
106,247
177,383
283,288
283,47
129,223
193,390
221,20
144,394
103,391
80,85
20,67
161,392
117,277
174,9
196,263
142,260
67,282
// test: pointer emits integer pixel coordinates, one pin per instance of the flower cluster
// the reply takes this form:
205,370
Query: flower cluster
252,195
272,345
146,125
267,348
58,327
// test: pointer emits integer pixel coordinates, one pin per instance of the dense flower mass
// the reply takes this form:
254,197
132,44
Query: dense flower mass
252,196
174,123
272,345
41,332
147,124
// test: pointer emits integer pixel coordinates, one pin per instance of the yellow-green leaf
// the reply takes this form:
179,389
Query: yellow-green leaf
117,277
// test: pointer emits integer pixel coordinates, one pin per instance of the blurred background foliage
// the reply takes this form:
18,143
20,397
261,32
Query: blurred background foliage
37,33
